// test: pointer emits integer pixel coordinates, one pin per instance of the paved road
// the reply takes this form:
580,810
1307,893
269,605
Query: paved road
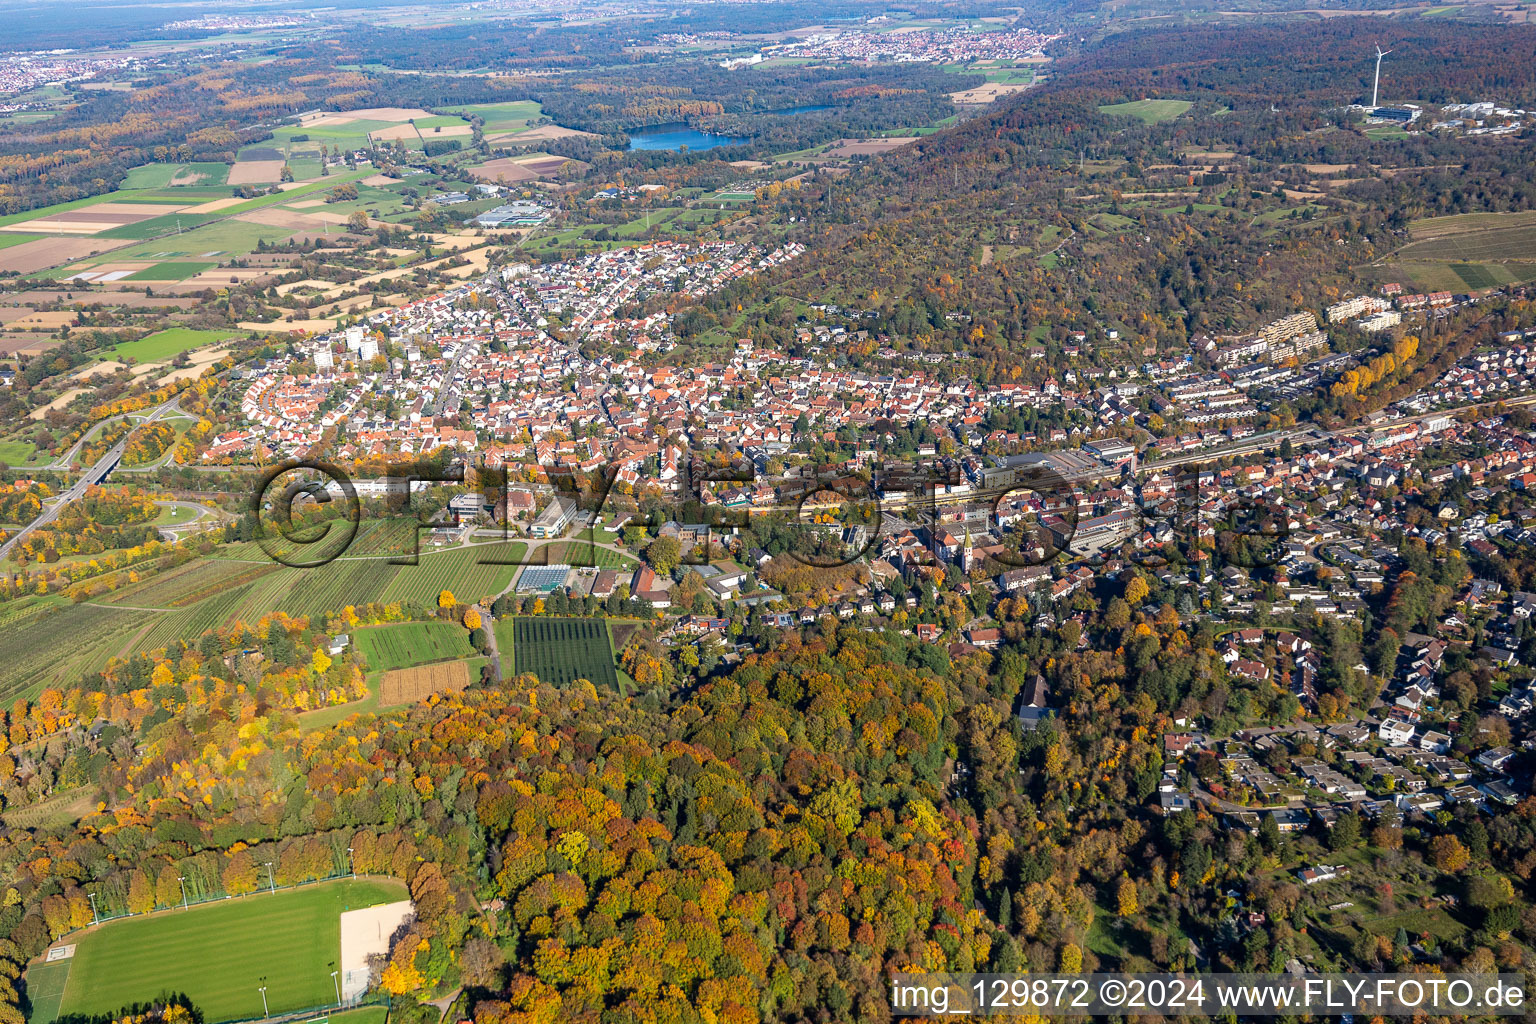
488,623
95,475
202,518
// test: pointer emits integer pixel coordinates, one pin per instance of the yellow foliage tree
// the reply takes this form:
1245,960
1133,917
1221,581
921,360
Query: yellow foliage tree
1126,897
1071,959
402,975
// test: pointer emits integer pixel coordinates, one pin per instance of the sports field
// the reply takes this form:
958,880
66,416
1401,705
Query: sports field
361,1015
45,988
219,953
560,651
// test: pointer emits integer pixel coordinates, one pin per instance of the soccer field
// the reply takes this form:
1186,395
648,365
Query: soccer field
219,954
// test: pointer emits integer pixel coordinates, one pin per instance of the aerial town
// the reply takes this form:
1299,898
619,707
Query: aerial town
21,73
505,384
764,513
916,44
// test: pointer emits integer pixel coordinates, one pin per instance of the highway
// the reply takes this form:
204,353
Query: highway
95,475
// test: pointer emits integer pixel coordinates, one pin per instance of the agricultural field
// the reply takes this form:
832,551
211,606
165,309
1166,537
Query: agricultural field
166,344
412,643
62,808
221,240
191,622
388,537
165,233
504,117
457,569
582,551
189,584
314,592
560,651
170,271
176,175
355,129
48,213
46,648
219,953
1148,111
1474,275
1473,238
1471,251
409,685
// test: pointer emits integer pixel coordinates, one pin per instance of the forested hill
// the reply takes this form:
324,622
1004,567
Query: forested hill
1043,214
1308,65
772,848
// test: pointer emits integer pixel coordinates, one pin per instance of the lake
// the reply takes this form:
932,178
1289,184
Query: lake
677,135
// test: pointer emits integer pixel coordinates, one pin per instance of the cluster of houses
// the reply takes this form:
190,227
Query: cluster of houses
1484,376
915,44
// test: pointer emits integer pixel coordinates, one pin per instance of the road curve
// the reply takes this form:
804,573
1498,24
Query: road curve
95,475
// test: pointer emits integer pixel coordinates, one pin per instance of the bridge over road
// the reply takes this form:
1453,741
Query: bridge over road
90,478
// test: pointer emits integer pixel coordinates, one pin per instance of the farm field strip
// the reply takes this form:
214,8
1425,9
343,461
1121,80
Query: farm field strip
459,570
408,685
54,649
187,584
412,643
560,651
1513,242
190,623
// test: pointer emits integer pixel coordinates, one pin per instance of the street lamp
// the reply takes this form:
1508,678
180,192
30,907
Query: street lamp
337,980
95,917
351,863
183,880
263,991
271,882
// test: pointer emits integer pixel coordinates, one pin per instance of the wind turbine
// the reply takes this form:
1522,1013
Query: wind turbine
1375,85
